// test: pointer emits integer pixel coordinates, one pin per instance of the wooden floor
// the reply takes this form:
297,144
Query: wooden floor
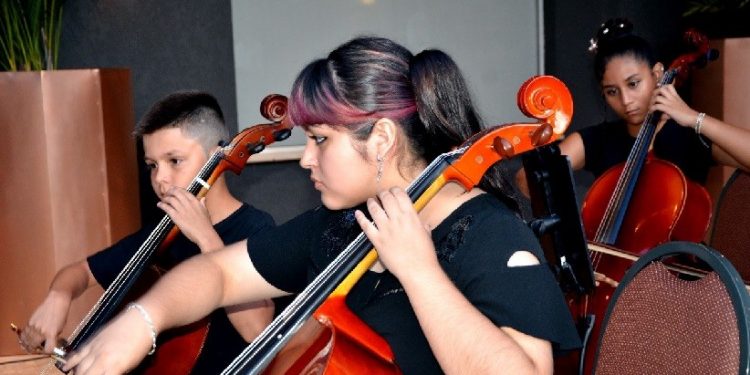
26,364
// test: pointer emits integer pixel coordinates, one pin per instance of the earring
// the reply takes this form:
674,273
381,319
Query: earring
379,175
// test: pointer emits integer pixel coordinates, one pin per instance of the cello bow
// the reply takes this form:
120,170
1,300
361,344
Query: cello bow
682,269
542,97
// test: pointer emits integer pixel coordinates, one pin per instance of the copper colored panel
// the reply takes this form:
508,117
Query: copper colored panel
69,159
26,238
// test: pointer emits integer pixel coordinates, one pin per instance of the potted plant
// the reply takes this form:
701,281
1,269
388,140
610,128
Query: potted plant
30,34
70,161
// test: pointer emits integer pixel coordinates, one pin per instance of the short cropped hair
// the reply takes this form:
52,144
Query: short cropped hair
197,113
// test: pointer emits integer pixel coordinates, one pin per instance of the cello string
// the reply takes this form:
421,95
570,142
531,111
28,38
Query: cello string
137,262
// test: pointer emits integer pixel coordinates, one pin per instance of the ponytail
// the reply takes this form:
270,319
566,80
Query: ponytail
448,117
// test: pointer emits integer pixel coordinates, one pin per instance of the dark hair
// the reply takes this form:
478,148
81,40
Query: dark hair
197,113
614,39
369,78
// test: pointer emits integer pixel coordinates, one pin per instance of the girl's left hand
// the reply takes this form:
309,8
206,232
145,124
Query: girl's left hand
403,242
668,101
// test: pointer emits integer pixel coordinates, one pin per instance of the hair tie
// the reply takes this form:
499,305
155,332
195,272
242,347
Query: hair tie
608,31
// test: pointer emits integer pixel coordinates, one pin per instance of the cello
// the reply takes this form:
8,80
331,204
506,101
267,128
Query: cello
180,348
639,204
335,335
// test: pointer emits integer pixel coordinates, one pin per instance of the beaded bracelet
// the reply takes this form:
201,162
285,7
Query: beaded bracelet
699,122
149,322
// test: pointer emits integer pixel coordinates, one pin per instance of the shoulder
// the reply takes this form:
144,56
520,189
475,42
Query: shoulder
248,214
484,229
247,211
300,226
245,222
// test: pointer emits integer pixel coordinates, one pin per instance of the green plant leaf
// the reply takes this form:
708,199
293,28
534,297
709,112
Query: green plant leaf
30,34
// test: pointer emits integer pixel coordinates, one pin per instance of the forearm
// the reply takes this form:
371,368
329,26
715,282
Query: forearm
47,321
72,280
204,283
210,242
461,337
249,319
185,294
730,142
731,139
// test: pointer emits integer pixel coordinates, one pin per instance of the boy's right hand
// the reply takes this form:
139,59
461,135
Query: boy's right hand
191,216
46,324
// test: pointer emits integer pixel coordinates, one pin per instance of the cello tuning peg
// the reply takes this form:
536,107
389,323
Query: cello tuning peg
254,148
282,134
503,147
542,134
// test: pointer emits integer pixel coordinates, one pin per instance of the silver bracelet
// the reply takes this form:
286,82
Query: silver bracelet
699,122
149,322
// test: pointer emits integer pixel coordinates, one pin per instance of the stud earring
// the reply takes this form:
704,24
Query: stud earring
379,175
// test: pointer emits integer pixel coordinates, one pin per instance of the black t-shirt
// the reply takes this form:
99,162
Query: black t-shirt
223,343
474,244
609,143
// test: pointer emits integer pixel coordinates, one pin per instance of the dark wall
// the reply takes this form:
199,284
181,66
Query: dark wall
171,45
282,189
187,44
168,45
569,24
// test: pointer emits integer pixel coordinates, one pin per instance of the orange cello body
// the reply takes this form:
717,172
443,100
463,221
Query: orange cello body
665,206
335,342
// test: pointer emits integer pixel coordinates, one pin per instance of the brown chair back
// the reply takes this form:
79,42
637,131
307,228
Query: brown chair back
731,226
660,323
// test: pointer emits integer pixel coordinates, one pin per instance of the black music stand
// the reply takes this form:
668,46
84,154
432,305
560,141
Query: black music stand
557,219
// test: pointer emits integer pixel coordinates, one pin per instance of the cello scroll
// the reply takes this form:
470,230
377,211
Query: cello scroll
546,98
255,138
699,58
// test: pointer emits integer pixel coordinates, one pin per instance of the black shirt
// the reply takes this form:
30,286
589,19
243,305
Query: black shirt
474,244
609,143
223,342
